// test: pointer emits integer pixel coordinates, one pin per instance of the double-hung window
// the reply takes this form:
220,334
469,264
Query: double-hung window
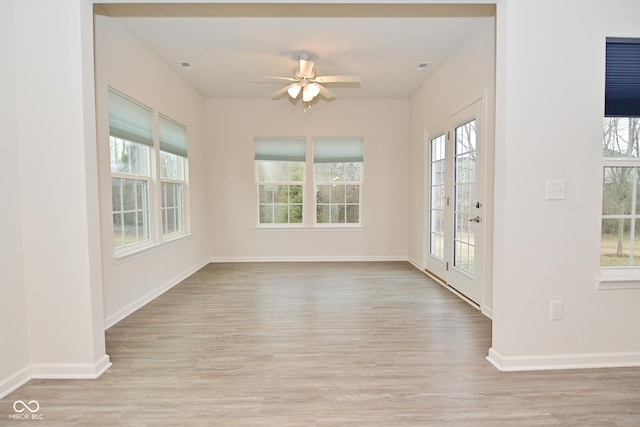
131,144
148,177
173,163
338,180
620,233
280,172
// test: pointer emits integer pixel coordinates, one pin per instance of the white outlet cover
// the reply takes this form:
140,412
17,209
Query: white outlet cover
555,189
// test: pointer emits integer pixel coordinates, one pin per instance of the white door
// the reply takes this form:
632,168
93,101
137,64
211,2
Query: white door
454,200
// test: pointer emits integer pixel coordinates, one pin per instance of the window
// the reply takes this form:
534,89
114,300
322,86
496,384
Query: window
148,182
338,179
130,143
280,179
620,234
620,241
173,156
437,196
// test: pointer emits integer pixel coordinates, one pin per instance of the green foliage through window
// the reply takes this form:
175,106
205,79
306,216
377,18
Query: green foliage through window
280,191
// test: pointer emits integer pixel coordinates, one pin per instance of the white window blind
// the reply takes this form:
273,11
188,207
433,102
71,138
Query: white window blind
280,149
173,136
338,150
130,120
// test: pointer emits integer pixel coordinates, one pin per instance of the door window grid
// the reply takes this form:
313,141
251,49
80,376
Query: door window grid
465,196
437,196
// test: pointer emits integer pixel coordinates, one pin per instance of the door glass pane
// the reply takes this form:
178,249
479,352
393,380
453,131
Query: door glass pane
437,196
465,197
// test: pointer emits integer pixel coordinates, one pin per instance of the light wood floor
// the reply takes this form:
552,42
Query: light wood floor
328,344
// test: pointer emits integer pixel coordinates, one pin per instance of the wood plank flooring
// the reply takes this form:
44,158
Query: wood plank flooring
320,344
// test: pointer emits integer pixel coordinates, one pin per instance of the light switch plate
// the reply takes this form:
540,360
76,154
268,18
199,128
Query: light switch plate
555,189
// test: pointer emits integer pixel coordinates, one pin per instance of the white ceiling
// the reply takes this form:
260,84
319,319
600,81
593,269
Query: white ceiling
228,45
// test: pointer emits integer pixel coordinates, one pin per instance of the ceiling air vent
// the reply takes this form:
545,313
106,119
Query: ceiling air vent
422,66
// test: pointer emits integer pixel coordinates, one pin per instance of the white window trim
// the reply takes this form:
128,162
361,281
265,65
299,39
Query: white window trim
338,225
157,238
137,251
120,251
162,209
309,202
618,278
258,183
622,277
186,223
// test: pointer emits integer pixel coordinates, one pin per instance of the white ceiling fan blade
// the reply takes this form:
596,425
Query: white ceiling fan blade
326,92
286,79
280,92
337,79
306,67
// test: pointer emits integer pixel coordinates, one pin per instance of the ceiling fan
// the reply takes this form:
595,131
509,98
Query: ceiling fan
305,81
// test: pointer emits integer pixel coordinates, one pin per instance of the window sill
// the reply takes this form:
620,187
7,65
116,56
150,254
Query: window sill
619,278
128,254
356,227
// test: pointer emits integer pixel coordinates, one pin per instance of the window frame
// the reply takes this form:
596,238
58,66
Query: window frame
139,243
172,141
308,184
347,150
618,77
289,204
150,136
620,276
334,184
182,205
287,151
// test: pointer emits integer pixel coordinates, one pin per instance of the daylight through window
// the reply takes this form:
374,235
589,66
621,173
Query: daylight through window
620,235
338,175
134,185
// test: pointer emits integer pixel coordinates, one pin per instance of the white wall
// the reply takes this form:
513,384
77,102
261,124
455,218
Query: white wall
54,278
14,352
232,125
550,104
467,75
123,63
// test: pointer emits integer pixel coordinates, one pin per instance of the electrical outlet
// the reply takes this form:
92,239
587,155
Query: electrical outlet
557,309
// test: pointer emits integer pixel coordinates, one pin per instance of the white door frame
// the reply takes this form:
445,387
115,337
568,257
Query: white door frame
484,187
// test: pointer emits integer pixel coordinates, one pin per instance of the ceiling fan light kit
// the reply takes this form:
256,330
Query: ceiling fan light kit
305,81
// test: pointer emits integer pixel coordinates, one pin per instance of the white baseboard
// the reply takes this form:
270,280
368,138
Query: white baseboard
54,370
487,311
70,370
147,298
416,264
377,258
14,381
563,361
